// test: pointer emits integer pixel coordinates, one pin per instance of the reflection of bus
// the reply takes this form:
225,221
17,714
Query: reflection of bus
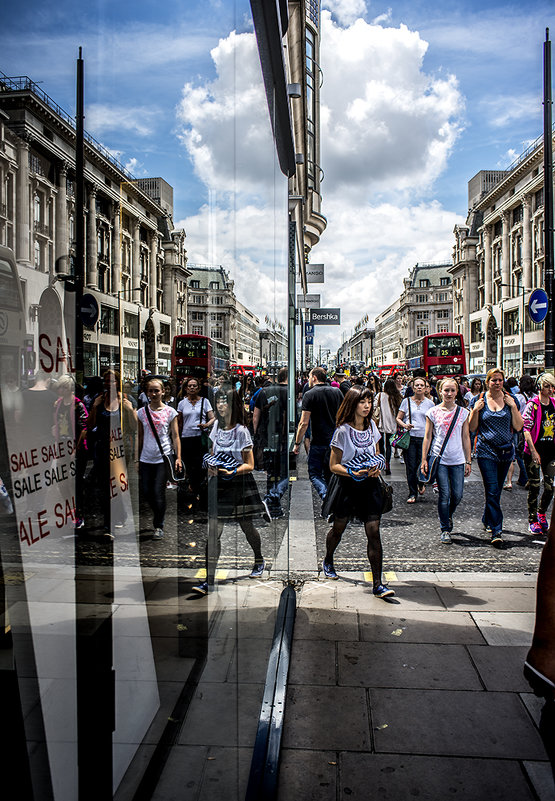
243,369
195,355
439,355
387,370
16,353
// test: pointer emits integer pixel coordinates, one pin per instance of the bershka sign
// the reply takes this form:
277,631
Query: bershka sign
325,316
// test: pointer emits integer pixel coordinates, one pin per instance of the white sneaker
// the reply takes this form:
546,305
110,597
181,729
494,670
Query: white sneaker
158,534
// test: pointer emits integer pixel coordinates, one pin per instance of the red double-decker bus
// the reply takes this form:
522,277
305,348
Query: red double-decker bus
440,355
199,356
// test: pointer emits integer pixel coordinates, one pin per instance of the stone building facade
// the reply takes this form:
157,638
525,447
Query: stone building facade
135,262
424,307
498,259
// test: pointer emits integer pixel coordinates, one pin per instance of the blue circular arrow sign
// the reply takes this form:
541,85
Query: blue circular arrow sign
538,305
89,310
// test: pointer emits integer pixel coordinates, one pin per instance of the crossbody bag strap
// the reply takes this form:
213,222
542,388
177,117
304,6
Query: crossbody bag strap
201,409
410,418
449,430
156,437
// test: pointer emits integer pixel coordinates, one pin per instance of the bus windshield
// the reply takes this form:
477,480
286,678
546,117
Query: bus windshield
444,346
191,348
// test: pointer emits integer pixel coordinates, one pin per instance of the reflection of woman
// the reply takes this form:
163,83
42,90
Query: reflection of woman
355,489
455,460
113,421
495,416
412,417
389,401
195,416
70,424
152,468
232,463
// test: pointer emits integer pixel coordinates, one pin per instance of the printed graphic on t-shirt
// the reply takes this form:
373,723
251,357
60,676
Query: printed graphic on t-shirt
548,425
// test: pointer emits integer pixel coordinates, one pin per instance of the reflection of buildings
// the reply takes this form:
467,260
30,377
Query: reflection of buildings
498,259
214,311
134,260
359,347
424,307
273,344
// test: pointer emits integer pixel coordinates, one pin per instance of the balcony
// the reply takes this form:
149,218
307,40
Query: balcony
41,228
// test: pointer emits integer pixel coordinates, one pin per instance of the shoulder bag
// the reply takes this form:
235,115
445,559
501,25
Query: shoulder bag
387,496
172,474
401,438
434,459
205,440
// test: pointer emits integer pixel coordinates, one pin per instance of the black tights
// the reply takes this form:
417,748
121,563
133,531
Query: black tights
374,545
213,554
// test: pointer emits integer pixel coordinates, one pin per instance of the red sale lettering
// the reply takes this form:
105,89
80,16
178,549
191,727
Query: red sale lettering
24,460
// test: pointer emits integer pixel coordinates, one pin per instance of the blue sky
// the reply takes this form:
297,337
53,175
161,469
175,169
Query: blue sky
417,97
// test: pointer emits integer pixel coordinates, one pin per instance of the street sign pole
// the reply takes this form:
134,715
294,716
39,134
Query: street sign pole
548,202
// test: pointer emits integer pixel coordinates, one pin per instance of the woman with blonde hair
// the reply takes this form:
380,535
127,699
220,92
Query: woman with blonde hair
448,424
495,416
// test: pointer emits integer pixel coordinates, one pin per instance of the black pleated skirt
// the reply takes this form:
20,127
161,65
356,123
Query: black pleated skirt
351,499
238,498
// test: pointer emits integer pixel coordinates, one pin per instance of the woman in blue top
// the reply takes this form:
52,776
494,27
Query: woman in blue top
495,416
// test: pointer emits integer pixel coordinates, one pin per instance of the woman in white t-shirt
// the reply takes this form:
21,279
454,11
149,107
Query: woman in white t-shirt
152,468
355,490
455,461
412,417
195,416
231,462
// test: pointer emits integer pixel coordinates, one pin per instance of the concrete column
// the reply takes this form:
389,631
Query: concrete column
23,209
92,257
505,256
116,249
153,284
527,242
136,260
62,241
487,264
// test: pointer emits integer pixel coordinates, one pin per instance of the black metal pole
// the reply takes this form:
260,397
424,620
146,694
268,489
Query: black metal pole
79,217
548,202
93,596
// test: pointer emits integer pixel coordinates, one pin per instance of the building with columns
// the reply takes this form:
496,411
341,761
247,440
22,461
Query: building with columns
135,263
498,260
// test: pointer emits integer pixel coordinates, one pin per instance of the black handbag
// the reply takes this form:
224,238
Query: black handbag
434,459
387,496
173,475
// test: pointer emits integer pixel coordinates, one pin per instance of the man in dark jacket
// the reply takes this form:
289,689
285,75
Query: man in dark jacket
320,405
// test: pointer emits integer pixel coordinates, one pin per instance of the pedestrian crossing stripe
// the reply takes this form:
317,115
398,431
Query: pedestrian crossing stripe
388,576
220,574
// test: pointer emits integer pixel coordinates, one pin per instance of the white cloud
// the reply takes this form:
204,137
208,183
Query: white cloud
102,118
225,125
346,11
394,126
507,109
387,132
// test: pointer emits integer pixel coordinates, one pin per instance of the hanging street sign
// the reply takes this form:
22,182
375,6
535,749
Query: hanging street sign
314,273
308,301
308,329
537,305
325,316
309,340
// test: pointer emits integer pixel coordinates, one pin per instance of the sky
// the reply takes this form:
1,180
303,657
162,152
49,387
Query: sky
417,97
